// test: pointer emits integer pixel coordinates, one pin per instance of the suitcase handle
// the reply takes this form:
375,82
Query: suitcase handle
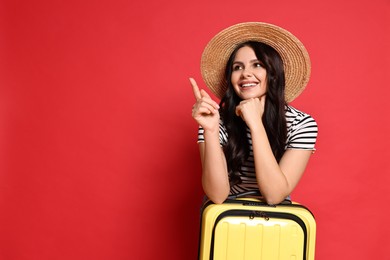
254,193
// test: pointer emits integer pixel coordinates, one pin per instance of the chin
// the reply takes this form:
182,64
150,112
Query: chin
250,96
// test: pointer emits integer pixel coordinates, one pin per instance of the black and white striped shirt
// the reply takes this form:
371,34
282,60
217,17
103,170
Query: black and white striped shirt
301,134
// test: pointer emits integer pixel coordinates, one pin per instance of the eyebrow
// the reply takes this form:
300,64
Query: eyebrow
251,61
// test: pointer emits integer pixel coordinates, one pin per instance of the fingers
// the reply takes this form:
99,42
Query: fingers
195,89
238,110
204,108
247,105
202,94
206,98
197,92
205,105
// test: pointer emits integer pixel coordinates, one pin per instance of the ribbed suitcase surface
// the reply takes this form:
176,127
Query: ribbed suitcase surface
248,229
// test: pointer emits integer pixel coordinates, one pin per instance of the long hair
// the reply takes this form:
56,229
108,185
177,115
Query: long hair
237,148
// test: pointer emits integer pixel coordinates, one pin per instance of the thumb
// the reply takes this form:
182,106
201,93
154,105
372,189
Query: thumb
204,93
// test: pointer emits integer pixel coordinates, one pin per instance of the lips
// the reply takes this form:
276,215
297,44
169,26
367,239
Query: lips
248,84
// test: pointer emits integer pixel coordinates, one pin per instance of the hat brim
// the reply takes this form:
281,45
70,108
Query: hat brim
296,60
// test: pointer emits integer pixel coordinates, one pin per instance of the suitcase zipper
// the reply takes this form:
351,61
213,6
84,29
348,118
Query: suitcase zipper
263,214
258,203
255,203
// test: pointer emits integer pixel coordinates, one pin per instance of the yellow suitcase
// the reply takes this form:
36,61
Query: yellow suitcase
246,229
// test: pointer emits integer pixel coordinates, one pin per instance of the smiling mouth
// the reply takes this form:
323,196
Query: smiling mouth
248,85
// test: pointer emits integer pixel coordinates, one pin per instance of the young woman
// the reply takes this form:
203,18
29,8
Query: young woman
253,140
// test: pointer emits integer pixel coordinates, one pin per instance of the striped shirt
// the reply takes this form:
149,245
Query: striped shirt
301,134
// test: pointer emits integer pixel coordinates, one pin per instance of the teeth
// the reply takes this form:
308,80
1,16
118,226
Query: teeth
249,85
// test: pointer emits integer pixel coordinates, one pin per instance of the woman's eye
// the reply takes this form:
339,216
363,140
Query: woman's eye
258,65
237,67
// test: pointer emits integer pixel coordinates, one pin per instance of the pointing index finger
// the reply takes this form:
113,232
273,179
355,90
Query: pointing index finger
195,89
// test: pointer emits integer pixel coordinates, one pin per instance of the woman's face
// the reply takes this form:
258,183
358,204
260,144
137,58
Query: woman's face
249,77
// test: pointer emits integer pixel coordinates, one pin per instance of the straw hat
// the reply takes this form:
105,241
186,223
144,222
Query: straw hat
295,57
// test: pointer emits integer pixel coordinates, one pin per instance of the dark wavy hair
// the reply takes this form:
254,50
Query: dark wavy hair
237,148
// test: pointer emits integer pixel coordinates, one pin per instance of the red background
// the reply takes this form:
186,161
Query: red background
98,156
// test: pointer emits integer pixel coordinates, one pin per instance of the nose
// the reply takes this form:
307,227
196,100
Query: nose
246,73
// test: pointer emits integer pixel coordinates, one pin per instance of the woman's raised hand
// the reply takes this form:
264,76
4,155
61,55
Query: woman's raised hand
205,110
251,111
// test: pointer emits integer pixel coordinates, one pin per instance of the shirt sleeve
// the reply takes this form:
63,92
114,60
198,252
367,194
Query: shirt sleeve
302,133
222,135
